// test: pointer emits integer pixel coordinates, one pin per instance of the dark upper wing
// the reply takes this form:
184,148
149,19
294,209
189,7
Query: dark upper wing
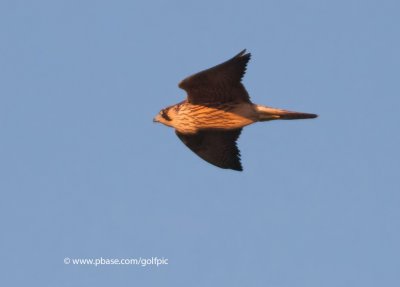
221,83
217,147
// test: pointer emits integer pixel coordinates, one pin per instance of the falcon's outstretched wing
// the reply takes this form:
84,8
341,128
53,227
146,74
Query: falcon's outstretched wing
217,147
219,84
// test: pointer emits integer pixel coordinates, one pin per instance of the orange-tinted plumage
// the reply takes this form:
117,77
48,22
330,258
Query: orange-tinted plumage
217,107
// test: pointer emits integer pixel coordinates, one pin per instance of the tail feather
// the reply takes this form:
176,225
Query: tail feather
268,113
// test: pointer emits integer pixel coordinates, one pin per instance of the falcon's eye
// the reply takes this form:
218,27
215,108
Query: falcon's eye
165,115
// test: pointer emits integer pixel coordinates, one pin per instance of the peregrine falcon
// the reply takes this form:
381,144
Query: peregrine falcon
217,107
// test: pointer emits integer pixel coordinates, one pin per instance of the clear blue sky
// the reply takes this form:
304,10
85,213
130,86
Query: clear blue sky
85,173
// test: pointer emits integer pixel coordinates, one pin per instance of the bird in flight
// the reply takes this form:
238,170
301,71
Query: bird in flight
217,107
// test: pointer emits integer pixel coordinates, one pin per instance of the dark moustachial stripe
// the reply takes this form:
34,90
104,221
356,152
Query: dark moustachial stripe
165,115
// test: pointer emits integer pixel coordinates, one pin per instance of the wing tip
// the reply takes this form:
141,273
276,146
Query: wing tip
238,168
243,54
236,163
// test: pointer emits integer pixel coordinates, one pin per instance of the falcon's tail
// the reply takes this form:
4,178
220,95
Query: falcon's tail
268,114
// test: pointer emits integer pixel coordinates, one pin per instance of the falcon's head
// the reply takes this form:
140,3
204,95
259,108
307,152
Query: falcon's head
167,116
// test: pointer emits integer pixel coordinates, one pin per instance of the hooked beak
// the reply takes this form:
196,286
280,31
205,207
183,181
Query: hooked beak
155,120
